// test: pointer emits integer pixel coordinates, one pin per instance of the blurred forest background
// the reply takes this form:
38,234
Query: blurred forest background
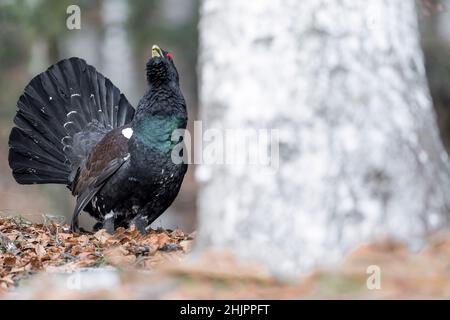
116,37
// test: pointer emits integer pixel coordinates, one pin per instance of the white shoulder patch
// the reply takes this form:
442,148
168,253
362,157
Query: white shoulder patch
127,133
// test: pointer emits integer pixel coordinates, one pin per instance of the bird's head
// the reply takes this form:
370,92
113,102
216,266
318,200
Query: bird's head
161,68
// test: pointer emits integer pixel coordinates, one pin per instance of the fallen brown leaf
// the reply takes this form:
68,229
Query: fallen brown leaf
9,261
29,248
118,256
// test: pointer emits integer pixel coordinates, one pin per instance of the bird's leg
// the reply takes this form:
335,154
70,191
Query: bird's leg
140,222
108,222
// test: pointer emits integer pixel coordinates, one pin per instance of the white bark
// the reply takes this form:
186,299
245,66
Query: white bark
360,156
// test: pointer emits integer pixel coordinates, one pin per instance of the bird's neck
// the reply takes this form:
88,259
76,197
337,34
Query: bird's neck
160,112
163,100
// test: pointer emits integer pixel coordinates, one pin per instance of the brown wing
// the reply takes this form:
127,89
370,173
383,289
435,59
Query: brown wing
104,160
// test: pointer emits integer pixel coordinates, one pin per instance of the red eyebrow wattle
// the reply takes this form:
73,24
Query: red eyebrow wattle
169,55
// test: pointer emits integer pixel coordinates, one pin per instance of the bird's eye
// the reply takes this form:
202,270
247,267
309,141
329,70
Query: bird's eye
169,55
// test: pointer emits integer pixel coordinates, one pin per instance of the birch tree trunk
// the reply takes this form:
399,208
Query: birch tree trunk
360,156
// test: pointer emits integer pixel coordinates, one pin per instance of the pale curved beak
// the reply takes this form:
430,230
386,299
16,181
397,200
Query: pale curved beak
156,51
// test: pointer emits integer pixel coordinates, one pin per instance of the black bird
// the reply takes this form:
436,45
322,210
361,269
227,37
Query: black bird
74,127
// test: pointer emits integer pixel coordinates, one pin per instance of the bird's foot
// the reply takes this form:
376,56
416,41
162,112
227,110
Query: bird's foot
141,224
108,222
77,229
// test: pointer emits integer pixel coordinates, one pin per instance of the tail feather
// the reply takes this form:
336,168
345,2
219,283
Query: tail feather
32,162
35,147
37,131
62,114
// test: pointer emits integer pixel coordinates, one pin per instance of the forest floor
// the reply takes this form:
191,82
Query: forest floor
46,261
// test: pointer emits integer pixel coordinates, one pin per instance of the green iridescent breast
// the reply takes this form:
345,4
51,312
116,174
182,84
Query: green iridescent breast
156,131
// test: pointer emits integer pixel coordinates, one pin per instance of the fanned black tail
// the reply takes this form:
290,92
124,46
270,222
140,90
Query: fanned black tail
62,114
